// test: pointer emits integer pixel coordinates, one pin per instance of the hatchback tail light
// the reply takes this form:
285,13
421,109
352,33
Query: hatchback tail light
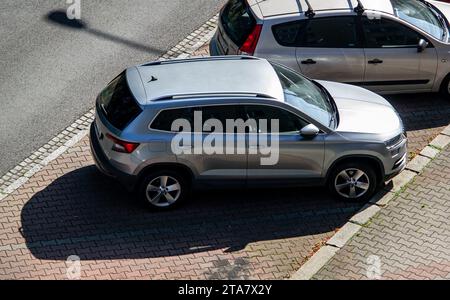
122,146
250,43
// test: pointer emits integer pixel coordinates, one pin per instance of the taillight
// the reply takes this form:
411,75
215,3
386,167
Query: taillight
249,45
122,146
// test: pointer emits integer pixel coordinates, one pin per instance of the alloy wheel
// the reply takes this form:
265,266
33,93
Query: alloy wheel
352,183
163,191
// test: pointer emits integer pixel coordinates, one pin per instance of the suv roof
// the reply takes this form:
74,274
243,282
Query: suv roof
271,8
200,77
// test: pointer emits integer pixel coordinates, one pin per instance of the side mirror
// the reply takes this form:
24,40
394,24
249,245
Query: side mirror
309,131
422,45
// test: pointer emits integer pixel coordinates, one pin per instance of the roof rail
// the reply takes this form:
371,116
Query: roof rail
209,58
218,94
310,12
359,9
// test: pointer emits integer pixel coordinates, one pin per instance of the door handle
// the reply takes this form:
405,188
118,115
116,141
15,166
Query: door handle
309,62
375,61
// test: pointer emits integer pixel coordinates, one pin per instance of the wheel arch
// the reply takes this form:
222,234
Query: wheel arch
172,166
371,160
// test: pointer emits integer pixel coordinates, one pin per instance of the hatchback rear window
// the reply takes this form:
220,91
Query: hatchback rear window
117,103
238,21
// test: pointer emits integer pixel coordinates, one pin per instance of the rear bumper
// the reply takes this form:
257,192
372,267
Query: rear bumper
105,166
213,48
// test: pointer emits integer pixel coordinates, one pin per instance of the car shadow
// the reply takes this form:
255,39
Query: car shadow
422,110
59,17
86,214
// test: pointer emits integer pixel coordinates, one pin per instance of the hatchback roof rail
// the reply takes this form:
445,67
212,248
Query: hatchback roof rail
212,94
359,9
310,12
211,58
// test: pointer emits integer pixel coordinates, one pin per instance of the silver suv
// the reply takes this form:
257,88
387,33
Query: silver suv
387,46
326,133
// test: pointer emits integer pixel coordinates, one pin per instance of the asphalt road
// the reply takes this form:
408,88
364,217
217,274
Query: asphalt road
51,73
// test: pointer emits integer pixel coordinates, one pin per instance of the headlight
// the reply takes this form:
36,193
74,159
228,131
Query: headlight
395,140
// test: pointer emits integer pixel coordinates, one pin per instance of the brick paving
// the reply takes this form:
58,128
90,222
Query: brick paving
409,239
69,208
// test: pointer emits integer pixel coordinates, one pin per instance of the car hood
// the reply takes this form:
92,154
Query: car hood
443,7
362,111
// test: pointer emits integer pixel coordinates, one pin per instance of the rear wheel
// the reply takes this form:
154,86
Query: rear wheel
163,190
353,181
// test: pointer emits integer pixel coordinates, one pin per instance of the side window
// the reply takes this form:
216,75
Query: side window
288,34
288,122
384,33
165,118
331,33
336,32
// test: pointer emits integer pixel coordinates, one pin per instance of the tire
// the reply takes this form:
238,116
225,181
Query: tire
445,87
353,181
158,195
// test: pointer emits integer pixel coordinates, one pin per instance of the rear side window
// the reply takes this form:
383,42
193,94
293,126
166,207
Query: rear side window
238,21
222,113
383,33
337,32
117,103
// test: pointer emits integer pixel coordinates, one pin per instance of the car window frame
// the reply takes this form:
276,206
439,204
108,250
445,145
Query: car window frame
301,44
323,129
397,22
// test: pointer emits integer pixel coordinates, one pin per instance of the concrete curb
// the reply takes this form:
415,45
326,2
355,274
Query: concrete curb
21,173
374,206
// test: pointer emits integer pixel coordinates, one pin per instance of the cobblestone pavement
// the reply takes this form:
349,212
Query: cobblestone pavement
409,239
69,208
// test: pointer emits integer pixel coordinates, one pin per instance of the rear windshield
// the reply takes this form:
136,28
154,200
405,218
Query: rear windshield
117,103
238,21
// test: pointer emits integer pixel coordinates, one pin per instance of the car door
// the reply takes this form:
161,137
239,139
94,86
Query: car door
295,157
329,49
393,62
203,149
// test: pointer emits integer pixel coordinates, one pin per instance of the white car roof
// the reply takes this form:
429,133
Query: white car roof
270,8
236,75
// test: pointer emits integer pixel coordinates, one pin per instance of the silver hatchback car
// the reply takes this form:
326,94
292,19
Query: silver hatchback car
326,133
387,46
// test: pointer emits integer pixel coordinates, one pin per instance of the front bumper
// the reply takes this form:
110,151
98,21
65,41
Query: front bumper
105,166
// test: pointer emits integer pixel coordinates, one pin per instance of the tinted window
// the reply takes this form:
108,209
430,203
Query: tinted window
288,34
288,122
383,33
319,33
237,21
165,118
331,33
117,103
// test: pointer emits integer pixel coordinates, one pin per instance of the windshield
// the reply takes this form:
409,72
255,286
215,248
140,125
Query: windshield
422,16
304,95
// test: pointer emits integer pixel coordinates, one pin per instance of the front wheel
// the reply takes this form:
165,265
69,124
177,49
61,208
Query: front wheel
163,190
353,182
445,87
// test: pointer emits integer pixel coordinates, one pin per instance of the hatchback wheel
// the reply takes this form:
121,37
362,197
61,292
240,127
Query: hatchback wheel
163,190
353,182
445,87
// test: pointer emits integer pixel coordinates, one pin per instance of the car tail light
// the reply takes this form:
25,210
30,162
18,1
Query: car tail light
122,146
249,45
